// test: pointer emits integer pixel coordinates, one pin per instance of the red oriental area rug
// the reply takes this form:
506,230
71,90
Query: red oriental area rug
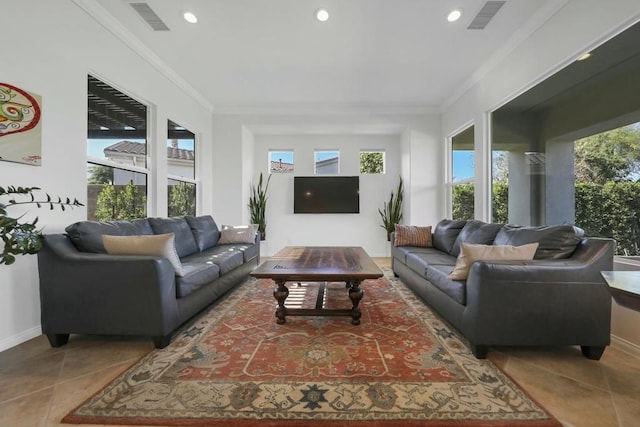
235,366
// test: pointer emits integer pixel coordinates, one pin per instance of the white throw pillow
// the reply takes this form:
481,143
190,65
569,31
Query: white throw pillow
238,234
162,245
470,252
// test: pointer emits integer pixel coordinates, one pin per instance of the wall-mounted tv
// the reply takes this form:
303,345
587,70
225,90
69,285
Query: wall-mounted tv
326,194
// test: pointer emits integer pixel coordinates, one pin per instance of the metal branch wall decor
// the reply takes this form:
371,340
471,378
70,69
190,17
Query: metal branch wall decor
20,130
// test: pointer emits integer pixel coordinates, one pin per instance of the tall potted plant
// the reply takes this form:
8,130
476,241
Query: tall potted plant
22,238
392,212
258,206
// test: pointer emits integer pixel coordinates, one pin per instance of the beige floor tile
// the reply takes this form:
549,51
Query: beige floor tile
72,393
27,411
79,362
566,361
574,403
29,375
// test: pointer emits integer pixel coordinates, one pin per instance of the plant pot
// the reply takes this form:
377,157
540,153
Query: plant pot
263,235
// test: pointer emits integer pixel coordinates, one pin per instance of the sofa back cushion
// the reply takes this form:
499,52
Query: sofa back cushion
555,241
445,234
205,231
477,232
87,235
184,240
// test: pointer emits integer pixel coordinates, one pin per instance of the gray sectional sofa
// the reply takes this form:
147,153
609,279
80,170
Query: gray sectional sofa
84,290
558,298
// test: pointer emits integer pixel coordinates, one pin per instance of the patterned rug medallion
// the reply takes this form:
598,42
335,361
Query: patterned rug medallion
234,366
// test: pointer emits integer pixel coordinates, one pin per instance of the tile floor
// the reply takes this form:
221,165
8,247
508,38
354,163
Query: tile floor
39,384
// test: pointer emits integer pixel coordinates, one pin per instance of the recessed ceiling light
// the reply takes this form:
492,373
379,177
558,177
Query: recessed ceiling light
454,15
585,56
190,17
322,15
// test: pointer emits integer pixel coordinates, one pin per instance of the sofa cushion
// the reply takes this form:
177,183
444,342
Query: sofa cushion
87,235
438,275
205,231
411,235
227,257
445,234
196,275
477,232
238,234
470,253
185,242
161,245
555,241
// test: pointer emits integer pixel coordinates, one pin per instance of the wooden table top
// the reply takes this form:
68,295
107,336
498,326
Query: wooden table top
319,263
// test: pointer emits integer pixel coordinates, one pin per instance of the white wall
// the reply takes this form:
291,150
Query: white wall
250,136
53,59
577,27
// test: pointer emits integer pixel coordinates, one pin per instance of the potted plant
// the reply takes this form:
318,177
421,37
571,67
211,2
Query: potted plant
258,206
22,238
392,212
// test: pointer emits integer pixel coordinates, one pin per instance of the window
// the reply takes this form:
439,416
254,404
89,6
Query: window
181,184
327,162
281,161
117,168
372,162
462,175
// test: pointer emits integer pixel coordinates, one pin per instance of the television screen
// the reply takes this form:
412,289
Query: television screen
326,194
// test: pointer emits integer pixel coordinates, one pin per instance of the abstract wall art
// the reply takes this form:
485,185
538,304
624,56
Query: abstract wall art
20,127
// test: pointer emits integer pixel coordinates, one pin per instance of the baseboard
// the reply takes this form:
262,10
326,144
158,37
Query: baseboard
23,336
626,346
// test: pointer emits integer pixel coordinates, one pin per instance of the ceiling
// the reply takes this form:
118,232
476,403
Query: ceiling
252,54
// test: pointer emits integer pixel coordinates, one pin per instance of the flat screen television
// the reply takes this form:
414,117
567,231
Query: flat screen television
326,194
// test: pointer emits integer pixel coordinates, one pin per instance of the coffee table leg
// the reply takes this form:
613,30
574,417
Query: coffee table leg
280,293
355,294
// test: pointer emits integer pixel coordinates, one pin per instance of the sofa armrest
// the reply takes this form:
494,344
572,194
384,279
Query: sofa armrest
100,293
545,300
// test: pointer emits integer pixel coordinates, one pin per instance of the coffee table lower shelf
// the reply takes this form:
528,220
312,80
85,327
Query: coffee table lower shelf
281,292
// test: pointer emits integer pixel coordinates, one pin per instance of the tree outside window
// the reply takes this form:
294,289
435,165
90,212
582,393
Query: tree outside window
372,162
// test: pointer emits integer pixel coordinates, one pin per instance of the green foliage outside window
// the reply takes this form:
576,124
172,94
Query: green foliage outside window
121,202
182,199
371,162
463,202
99,174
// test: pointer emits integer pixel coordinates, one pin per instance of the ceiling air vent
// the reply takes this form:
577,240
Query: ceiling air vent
149,16
485,15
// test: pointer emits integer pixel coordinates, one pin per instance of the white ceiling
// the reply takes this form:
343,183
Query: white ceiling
248,54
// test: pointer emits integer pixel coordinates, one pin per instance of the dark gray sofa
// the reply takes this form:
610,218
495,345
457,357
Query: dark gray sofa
84,290
558,298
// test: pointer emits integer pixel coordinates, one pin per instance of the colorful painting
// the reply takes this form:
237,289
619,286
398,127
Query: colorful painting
20,130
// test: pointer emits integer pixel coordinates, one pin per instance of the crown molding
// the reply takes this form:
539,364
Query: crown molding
111,24
539,19
324,109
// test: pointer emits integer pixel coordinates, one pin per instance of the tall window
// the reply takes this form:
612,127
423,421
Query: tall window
372,162
607,189
327,162
281,161
462,175
117,168
181,183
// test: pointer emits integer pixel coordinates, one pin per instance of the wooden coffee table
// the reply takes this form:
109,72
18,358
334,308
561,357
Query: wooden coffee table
351,265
